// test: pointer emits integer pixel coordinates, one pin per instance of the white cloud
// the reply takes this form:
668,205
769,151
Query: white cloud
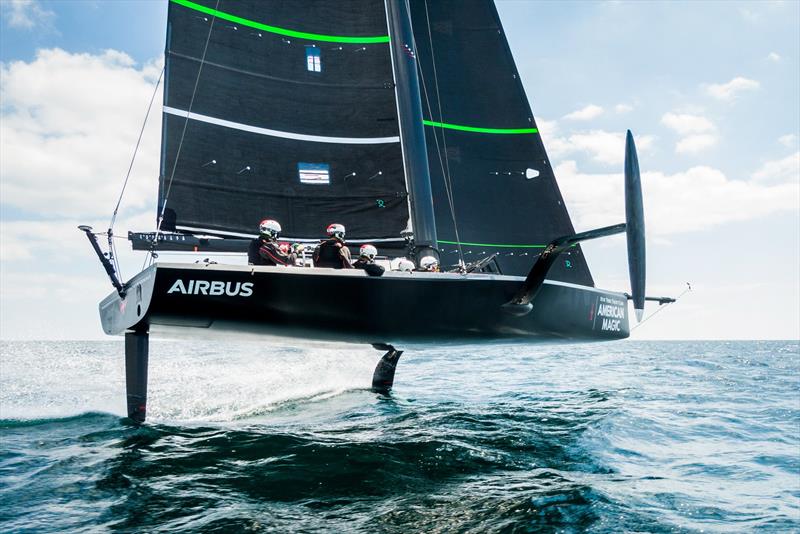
549,131
695,143
774,56
600,145
50,286
786,170
607,147
547,128
788,140
26,14
25,240
686,124
68,126
623,108
698,132
694,200
584,114
729,91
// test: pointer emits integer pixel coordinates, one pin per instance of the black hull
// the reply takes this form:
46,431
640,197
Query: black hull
326,304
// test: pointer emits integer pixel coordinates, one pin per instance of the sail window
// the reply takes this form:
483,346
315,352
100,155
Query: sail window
313,60
314,173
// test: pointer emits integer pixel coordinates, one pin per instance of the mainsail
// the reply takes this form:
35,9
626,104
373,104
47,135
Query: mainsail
482,140
293,117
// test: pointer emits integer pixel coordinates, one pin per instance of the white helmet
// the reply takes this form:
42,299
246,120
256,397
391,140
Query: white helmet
428,263
402,264
269,228
368,251
336,230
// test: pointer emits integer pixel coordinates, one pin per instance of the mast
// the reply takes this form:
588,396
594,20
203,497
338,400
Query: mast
412,133
165,117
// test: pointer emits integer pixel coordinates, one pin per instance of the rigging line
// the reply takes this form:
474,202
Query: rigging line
136,149
112,247
444,162
128,175
185,124
441,116
663,306
448,176
441,164
144,263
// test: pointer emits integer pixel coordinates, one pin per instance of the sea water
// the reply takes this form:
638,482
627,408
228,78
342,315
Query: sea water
251,437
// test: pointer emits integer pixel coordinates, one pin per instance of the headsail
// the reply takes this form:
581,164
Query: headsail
480,131
293,117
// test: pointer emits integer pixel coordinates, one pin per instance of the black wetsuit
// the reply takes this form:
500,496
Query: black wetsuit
332,253
266,252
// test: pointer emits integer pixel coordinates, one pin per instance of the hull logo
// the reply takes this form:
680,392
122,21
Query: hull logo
214,288
612,313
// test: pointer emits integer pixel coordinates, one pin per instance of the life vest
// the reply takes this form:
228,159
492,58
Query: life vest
265,252
328,254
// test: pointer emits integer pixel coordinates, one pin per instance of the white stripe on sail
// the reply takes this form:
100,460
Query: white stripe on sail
278,133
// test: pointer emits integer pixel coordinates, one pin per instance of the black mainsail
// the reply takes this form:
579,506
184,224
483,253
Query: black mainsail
299,126
481,132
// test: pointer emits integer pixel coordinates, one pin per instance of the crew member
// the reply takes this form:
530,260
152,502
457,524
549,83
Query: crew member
403,265
332,252
366,261
265,249
429,264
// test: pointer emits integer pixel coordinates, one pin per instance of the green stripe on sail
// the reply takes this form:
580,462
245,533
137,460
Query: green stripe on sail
490,245
481,130
280,31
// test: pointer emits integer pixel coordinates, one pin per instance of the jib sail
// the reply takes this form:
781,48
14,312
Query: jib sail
483,142
291,115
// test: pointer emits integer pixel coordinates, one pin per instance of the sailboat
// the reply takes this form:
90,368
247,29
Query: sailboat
404,120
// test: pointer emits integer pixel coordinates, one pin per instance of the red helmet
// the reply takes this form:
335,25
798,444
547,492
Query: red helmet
336,230
269,228
368,251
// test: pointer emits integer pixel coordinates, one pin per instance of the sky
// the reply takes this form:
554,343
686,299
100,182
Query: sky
711,90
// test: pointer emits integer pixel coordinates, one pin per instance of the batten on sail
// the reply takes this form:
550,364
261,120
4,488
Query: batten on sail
278,133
